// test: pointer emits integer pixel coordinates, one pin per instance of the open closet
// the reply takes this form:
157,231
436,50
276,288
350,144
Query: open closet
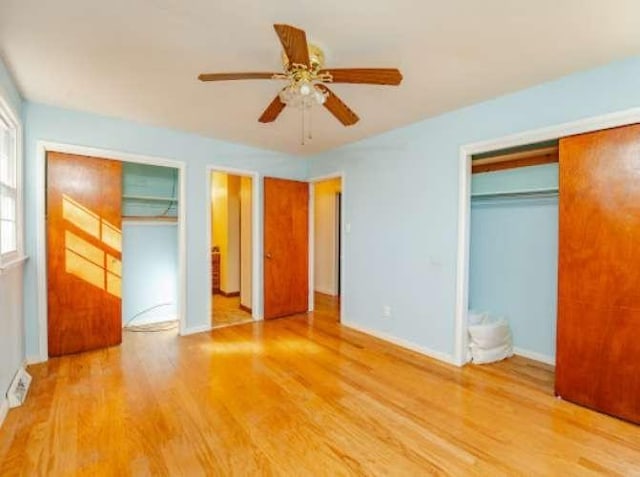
149,247
111,250
553,248
514,243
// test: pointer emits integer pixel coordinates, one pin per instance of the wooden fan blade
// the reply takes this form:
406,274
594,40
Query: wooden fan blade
294,42
384,76
341,111
273,111
235,76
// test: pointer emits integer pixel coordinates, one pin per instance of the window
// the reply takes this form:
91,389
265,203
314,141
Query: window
10,245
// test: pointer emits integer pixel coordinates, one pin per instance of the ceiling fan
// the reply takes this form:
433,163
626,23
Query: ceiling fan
307,77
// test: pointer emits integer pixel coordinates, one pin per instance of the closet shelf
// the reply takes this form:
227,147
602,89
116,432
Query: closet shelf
150,218
533,193
149,198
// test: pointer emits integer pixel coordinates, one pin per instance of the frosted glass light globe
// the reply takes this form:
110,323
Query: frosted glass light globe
305,89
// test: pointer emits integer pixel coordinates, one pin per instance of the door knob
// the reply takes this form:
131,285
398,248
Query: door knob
268,255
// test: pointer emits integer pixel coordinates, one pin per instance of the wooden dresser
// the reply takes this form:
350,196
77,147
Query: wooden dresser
215,272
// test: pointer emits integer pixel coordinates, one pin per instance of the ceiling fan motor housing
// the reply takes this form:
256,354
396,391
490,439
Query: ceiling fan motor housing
316,58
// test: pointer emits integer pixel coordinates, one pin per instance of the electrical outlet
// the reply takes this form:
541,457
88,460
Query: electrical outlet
386,311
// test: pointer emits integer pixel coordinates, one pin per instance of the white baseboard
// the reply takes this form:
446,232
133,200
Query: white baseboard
35,359
196,329
19,388
325,291
4,409
543,358
440,356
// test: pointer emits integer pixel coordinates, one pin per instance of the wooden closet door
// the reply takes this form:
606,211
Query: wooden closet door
84,196
598,332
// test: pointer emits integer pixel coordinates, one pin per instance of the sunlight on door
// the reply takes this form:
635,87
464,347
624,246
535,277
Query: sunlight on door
86,259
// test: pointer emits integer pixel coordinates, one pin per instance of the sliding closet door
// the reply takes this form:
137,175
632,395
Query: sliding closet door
84,196
598,355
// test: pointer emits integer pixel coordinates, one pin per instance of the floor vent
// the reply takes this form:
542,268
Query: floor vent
17,392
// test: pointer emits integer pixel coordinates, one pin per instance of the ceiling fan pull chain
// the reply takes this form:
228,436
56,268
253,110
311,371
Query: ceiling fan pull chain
310,124
302,124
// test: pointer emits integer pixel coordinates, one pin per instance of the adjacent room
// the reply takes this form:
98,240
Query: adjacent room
340,238
327,227
231,249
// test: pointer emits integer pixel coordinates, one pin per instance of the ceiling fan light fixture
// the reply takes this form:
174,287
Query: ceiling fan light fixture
320,96
305,88
302,95
287,95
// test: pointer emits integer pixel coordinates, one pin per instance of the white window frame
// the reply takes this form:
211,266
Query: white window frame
11,119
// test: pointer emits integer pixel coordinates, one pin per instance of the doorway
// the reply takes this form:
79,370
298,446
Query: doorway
327,250
231,248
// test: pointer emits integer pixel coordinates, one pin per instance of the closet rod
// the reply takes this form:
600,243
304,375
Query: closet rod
537,193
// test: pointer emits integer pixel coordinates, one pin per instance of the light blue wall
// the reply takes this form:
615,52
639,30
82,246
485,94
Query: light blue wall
401,199
514,254
143,180
149,270
513,267
11,296
72,127
521,179
149,249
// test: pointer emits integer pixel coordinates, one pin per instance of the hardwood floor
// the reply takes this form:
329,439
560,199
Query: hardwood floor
328,305
301,396
226,311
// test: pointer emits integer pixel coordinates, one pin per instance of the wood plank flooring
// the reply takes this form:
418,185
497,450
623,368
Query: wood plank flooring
226,311
301,396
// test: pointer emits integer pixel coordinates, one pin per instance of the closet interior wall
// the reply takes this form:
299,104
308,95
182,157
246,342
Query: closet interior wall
514,251
150,244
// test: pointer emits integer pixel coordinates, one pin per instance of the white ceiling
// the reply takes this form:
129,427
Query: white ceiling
139,59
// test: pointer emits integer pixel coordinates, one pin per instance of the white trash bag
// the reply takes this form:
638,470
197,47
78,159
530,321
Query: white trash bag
476,317
492,355
490,333
489,338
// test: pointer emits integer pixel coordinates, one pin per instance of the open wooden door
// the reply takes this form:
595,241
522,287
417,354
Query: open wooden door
286,247
599,273
84,196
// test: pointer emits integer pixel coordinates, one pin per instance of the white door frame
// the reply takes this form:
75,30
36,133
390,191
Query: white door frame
312,182
580,126
256,243
41,229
